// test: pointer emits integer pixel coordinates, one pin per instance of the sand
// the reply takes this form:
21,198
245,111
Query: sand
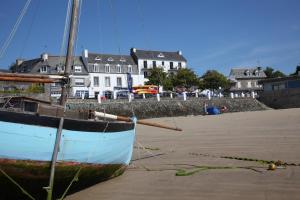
266,135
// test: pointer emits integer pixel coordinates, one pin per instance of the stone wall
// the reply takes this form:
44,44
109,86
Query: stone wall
288,98
151,108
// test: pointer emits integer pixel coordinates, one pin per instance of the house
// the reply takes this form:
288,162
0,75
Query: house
245,80
53,65
146,60
108,73
281,92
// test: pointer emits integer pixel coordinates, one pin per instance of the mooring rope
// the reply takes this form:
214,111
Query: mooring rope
18,185
15,28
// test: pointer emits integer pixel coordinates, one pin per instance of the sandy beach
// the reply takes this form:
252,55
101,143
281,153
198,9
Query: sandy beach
200,149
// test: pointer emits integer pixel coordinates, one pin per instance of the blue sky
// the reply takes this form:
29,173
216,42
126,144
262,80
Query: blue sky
212,34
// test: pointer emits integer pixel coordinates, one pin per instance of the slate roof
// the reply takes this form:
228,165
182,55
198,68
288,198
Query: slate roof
110,59
157,55
279,79
246,73
53,63
5,70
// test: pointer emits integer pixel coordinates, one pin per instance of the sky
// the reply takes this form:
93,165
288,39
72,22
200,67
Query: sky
212,34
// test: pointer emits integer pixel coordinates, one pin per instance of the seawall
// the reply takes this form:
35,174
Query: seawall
288,98
151,108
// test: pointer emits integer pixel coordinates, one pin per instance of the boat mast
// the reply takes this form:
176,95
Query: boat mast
70,50
65,85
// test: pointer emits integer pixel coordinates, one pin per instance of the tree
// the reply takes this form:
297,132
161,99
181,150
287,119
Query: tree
159,77
270,73
185,78
297,71
212,80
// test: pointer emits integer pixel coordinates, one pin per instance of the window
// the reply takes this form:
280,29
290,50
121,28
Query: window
145,74
171,65
179,65
161,55
59,68
163,63
107,68
96,81
154,64
43,69
247,73
119,69
249,84
107,81
77,69
238,84
96,67
79,81
119,82
129,69
145,64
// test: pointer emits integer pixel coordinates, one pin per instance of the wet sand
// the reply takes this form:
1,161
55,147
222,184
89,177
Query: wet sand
264,135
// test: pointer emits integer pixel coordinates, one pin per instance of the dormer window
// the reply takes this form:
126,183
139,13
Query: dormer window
110,59
107,68
161,55
256,72
77,69
119,69
97,58
59,68
247,73
43,69
129,69
96,67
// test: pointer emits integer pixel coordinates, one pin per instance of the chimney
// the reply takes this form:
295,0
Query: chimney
44,57
179,52
133,50
19,62
85,53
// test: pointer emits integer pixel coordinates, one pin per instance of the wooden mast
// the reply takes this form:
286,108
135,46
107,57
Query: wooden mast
64,94
70,51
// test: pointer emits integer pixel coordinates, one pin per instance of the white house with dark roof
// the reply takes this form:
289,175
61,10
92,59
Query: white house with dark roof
245,80
108,73
170,62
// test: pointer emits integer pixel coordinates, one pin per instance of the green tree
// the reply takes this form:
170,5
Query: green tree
212,80
185,78
12,67
297,71
270,73
157,77
35,88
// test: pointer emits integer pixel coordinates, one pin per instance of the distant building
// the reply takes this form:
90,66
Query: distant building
95,74
245,80
146,60
53,65
281,92
108,73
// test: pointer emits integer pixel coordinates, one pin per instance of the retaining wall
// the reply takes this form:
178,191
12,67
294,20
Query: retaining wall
151,108
288,98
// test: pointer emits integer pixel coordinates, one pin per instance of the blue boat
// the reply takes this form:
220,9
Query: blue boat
44,155
92,151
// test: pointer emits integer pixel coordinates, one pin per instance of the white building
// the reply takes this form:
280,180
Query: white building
108,73
147,60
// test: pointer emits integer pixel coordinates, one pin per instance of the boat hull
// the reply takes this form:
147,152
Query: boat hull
101,150
32,176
